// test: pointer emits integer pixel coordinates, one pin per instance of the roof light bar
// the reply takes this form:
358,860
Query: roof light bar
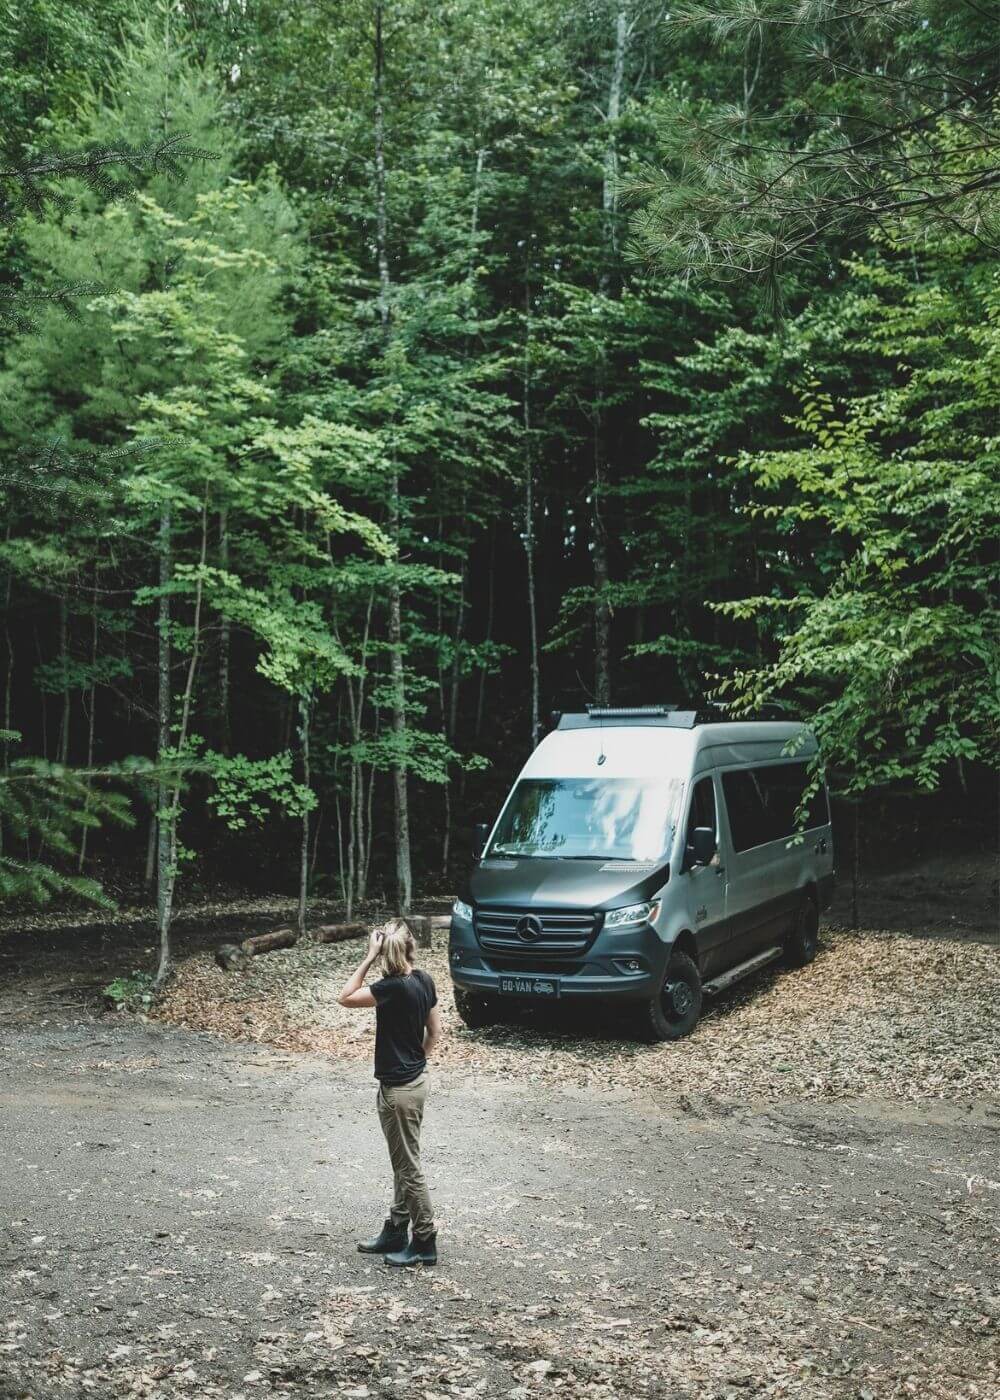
625,716
628,711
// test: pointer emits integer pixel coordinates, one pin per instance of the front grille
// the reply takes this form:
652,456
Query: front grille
558,932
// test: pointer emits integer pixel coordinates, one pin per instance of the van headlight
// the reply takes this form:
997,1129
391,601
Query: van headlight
632,914
462,911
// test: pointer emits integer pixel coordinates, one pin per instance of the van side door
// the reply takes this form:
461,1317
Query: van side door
706,883
756,877
805,840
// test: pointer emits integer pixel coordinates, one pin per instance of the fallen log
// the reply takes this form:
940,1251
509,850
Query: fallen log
232,958
268,942
336,933
423,926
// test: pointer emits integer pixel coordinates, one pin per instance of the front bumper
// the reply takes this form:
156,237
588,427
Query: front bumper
625,964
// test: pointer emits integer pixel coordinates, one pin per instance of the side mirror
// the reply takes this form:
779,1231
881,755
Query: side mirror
480,832
703,845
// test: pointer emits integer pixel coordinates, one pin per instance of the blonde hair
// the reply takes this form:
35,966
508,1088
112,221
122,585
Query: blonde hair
399,947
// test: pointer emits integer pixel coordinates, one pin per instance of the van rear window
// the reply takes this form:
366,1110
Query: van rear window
762,804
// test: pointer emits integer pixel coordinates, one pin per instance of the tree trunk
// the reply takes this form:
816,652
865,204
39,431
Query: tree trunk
529,521
381,221
352,882
451,724
609,190
404,876
602,607
348,876
42,699
151,842
446,838
91,718
749,83
164,824
224,639
856,869
452,718
8,690
490,603
609,203
304,846
62,751
369,836
287,720
317,827
8,698
341,861
353,838
169,815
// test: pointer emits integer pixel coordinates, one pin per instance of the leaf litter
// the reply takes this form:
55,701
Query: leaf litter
875,1014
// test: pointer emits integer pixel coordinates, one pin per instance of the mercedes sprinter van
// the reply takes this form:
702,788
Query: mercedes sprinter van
650,857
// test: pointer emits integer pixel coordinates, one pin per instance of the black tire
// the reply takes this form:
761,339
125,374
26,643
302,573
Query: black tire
674,1013
475,1010
802,943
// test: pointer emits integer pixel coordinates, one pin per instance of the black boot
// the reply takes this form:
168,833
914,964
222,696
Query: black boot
392,1238
418,1251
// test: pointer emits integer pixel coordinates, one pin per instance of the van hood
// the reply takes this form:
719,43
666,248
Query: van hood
564,884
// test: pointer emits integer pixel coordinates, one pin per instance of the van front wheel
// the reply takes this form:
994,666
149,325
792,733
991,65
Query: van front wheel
674,1013
476,1011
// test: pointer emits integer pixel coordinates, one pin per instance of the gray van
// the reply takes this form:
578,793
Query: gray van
648,856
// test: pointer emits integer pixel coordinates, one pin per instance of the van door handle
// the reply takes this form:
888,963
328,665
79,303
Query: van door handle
820,847
720,870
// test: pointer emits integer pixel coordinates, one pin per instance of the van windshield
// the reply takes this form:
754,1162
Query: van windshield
589,819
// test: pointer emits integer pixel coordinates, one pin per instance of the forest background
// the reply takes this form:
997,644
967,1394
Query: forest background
381,377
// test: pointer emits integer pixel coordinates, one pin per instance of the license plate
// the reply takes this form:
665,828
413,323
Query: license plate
529,986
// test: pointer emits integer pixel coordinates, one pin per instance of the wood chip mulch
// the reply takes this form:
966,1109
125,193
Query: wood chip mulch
876,1015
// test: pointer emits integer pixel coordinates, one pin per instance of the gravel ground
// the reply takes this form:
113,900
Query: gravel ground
180,1215
801,1201
875,1014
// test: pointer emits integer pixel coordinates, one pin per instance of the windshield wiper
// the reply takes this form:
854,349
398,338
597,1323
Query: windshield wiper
627,860
592,857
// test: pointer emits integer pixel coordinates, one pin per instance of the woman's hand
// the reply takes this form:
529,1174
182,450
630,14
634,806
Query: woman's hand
354,993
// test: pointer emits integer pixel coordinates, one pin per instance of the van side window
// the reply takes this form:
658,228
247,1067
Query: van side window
782,787
702,808
762,802
748,821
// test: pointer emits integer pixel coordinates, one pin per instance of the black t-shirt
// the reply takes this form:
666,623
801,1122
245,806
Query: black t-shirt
402,1007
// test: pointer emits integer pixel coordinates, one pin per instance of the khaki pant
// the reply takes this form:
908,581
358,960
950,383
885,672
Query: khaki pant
401,1112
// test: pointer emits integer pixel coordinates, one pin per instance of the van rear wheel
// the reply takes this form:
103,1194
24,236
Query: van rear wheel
674,1013
803,941
476,1011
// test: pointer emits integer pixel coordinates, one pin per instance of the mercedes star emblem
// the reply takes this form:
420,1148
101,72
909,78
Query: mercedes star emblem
528,929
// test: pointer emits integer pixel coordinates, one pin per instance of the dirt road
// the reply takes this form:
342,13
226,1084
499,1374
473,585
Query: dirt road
179,1218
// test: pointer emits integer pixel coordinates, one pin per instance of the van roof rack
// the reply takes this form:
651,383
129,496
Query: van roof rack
615,716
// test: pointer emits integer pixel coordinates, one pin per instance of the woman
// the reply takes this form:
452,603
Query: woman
407,1027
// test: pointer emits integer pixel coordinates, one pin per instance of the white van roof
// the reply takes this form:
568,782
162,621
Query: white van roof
646,749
